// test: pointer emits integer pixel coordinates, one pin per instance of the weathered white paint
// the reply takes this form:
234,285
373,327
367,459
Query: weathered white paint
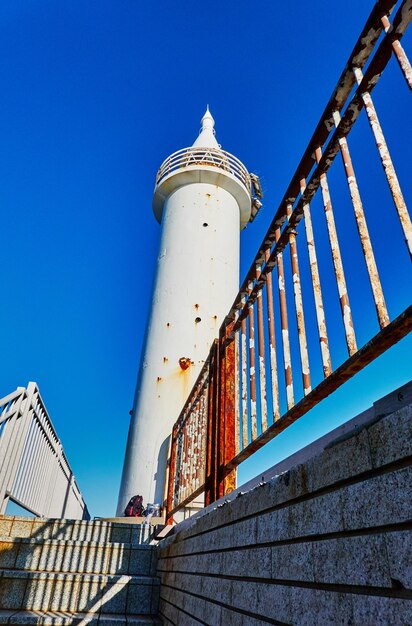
34,471
197,277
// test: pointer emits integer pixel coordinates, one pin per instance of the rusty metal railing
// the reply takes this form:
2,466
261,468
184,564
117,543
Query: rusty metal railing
249,401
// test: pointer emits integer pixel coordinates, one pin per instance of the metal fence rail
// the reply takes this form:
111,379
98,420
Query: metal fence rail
249,401
34,471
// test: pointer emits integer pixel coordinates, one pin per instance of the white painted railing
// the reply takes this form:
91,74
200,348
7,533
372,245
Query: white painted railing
211,157
34,471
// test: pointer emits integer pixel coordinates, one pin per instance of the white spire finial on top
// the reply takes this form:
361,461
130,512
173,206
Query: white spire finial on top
207,137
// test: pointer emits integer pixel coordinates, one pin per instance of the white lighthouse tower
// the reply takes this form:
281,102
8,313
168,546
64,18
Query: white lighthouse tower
202,199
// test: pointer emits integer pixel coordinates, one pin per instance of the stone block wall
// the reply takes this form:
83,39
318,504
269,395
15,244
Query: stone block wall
327,542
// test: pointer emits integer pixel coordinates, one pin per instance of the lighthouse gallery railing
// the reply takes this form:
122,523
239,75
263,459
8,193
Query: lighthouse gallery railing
212,157
240,401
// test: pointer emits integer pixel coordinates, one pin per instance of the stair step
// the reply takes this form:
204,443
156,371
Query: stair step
77,530
50,555
59,618
31,590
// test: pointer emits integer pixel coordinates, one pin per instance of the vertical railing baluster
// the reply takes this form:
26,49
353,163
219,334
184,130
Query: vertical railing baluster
236,339
196,448
378,296
317,291
387,163
184,460
337,262
178,471
300,318
400,54
252,368
285,327
261,353
245,412
272,344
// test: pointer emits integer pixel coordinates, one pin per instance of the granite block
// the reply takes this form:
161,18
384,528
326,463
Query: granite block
90,592
21,527
29,554
74,558
292,562
168,612
352,561
154,606
310,607
320,515
141,534
63,530
391,438
381,611
117,559
5,526
42,529
228,617
272,526
339,461
100,531
244,533
140,562
139,599
52,556
115,596
12,592
243,595
399,551
193,605
78,531
273,601
65,594
385,499
38,592
213,613
120,533
154,554
217,589
8,553
255,561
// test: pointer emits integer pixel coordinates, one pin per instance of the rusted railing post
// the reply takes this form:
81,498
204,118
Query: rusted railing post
300,317
272,344
387,163
226,481
363,229
171,475
287,361
317,291
211,489
400,54
337,262
261,356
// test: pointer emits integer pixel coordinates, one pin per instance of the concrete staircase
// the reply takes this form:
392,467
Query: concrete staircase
61,572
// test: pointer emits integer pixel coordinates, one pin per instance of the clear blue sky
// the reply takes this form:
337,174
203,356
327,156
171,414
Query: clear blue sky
95,95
